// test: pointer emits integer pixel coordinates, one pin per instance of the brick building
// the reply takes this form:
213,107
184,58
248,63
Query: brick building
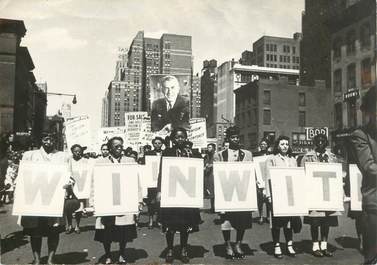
273,107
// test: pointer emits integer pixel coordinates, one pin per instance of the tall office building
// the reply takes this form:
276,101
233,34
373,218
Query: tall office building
195,97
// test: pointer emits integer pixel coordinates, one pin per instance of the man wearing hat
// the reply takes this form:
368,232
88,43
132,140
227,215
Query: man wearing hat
35,226
364,141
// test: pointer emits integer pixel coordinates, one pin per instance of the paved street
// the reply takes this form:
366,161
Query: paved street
206,246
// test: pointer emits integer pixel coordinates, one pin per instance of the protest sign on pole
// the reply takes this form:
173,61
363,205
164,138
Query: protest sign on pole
235,187
82,173
197,133
134,127
39,190
77,131
288,194
106,133
261,170
324,185
182,182
116,189
355,188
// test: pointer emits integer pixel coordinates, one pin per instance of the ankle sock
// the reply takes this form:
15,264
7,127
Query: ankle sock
323,245
315,246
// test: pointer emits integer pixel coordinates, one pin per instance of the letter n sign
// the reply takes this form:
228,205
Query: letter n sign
40,189
182,182
324,186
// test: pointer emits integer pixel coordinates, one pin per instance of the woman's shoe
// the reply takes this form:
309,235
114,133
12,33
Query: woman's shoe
327,253
69,230
290,251
184,255
317,253
108,261
238,253
260,221
122,260
77,230
229,253
169,256
277,252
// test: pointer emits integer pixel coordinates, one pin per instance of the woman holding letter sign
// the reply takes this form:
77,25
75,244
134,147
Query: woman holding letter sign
184,220
282,157
320,220
121,229
240,221
38,227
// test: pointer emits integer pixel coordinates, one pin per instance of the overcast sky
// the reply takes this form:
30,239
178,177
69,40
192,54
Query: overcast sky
74,43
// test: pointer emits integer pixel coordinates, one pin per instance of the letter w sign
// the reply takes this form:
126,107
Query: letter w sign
39,190
235,187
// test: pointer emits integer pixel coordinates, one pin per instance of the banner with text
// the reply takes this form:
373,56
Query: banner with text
106,133
39,190
324,185
182,182
288,194
355,188
134,127
77,131
197,133
235,188
116,189
82,173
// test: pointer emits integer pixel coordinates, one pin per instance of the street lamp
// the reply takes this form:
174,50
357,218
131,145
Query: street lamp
74,101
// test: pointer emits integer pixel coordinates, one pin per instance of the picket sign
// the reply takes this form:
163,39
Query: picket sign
116,189
235,187
261,170
182,182
77,131
39,190
355,187
288,195
82,173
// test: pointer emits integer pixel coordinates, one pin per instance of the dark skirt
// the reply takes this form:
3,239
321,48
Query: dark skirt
321,220
209,189
179,219
43,229
151,201
115,233
238,220
282,221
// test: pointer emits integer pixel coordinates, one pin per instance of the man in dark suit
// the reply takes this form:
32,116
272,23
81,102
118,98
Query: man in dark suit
172,110
364,141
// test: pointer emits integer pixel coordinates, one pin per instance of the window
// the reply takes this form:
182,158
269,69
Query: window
301,119
275,58
351,113
365,33
293,49
338,80
267,97
267,47
351,76
337,48
351,39
301,99
338,116
266,117
366,72
267,57
281,58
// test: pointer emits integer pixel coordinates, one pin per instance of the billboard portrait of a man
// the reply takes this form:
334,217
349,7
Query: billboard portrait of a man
170,104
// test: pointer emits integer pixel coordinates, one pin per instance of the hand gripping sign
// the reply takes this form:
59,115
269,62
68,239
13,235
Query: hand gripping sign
355,188
82,173
288,194
182,182
235,188
324,186
116,189
39,190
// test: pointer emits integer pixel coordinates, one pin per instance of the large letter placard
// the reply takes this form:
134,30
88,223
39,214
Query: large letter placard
39,190
182,182
235,188
288,194
324,186
151,170
116,189
261,170
82,173
355,187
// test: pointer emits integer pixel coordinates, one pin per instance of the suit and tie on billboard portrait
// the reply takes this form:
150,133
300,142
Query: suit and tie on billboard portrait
170,102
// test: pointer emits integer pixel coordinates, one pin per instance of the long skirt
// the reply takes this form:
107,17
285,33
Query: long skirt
326,219
238,220
43,229
179,219
115,233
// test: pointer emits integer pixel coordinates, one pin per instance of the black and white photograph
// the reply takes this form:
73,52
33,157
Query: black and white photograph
188,132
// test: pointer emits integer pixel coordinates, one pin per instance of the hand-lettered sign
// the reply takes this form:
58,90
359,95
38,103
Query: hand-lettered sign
116,189
288,194
182,182
324,186
39,190
235,188
355,188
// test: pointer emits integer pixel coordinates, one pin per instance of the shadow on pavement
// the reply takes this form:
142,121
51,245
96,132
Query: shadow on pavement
193,252
132,255
12,241
69,258
348,242
219,250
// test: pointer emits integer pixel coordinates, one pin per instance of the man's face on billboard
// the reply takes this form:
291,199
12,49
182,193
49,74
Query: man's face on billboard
170,88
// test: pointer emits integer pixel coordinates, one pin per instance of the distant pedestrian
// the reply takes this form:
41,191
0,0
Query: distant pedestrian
209,190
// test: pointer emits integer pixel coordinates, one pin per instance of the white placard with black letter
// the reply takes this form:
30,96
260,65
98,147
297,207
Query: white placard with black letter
235,188
261,170
39,190
182,182
116,189
82,173
355,188
288,195
324,186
